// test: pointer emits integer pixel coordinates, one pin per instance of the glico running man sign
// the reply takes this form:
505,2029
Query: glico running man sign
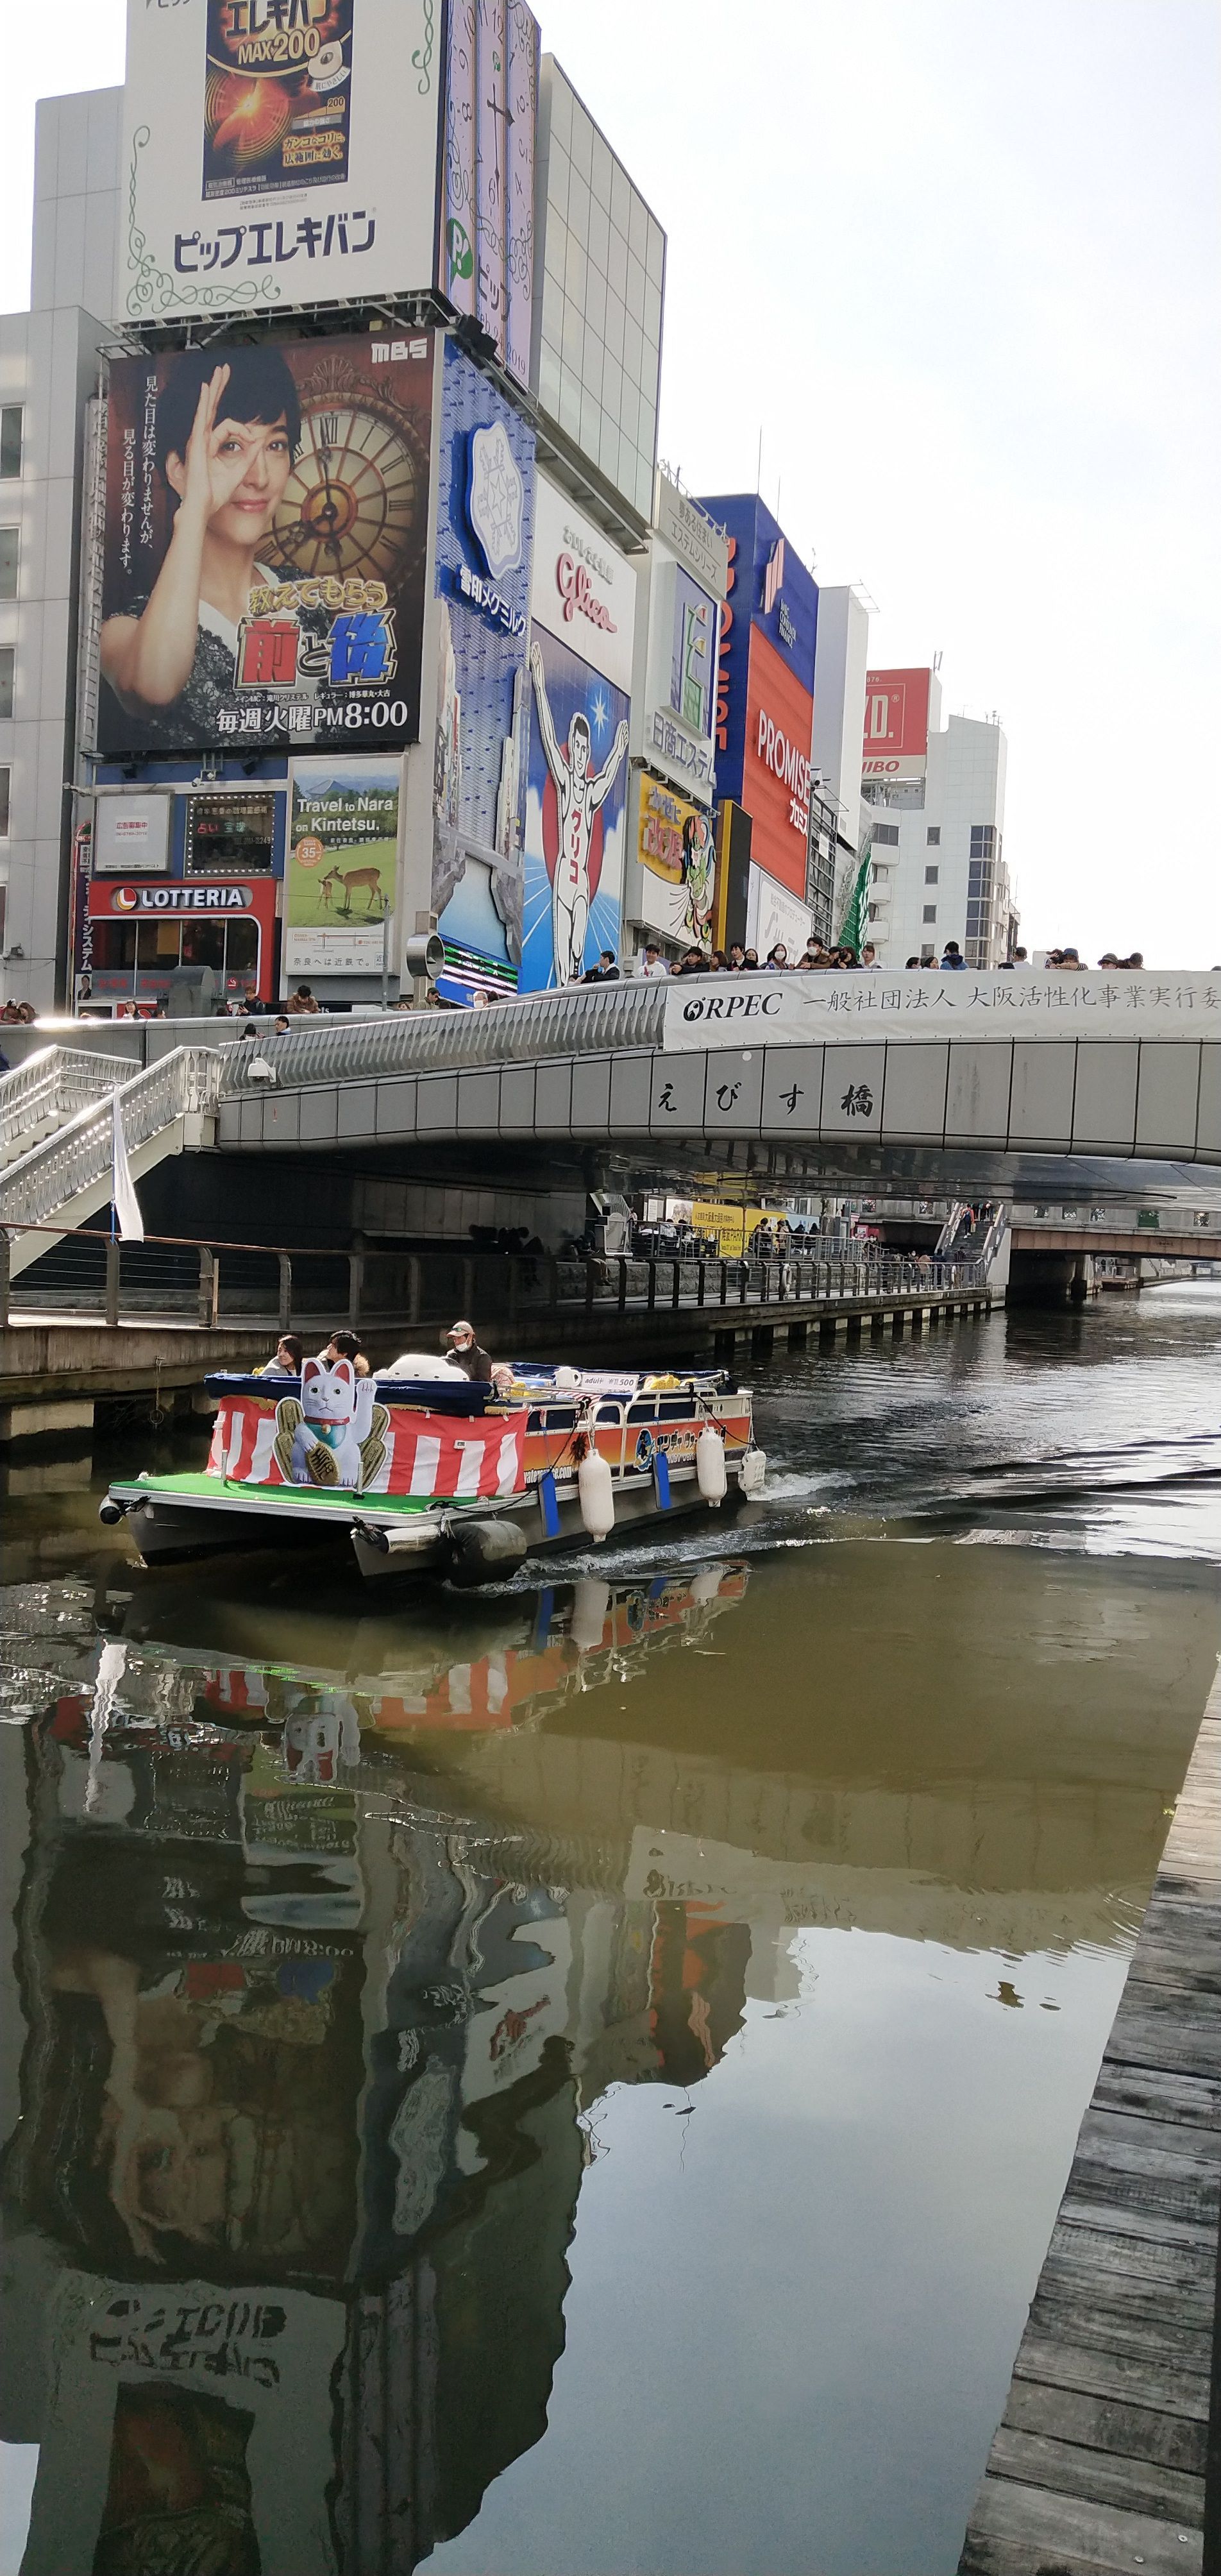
266,534
276,153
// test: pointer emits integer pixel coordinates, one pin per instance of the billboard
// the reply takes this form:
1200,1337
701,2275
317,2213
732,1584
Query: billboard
776,764
265,540
770,593
276,153
678,864
342,866
485,518
133,835
575,808
583,590
896,724
485,250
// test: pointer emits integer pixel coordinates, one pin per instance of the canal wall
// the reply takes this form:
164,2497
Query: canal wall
1102,2461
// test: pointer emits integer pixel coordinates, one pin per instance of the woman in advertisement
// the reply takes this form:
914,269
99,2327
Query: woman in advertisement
227,437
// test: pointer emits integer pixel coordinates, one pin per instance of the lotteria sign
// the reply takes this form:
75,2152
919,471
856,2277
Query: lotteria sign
583,590
776,765
105,900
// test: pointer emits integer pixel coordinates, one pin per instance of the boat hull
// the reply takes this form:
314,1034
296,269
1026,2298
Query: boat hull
170,1527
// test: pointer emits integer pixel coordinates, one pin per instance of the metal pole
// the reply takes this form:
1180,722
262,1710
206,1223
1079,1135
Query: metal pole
386,959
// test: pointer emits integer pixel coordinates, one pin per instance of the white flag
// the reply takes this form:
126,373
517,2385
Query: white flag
122,1187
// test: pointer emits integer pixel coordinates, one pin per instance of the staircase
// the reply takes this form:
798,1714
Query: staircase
56,1134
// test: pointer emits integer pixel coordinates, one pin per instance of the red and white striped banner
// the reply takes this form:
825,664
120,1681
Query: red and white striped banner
440,1456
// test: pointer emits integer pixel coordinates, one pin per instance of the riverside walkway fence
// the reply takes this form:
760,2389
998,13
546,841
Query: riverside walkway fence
178,1279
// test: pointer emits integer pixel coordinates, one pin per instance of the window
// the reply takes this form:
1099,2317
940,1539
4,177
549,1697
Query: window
926,952
931,875
8,563
887,834
929,913
229,835
8,659
5,778
933,836
983,840
10,442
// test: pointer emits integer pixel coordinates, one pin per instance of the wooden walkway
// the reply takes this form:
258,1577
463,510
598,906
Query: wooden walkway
1100,2460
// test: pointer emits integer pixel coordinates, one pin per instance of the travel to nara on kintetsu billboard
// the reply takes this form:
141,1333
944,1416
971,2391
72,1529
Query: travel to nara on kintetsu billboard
266,535
277,153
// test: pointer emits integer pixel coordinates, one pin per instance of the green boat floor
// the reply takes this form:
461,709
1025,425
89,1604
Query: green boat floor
221,1490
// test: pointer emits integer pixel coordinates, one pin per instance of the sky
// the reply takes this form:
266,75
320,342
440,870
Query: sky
955,262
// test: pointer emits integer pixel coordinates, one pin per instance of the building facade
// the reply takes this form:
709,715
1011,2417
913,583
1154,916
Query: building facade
933,799
671,892
348,759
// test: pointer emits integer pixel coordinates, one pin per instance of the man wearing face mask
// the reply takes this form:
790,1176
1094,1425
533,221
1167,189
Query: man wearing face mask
462,1347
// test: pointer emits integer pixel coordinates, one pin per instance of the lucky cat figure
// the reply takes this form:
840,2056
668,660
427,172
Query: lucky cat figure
336,1434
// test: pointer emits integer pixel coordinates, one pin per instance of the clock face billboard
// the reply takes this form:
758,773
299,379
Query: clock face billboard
266,536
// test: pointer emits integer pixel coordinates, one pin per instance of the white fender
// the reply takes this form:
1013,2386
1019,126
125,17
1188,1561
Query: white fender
596,1495
752,1473
710,1472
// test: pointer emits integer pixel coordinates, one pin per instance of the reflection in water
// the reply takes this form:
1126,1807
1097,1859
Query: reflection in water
305,2091
654,2012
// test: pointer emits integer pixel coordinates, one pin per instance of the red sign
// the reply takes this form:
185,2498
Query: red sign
776,764
896,723
183,904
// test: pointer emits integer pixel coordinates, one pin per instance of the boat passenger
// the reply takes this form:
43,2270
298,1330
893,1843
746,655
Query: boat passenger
471,1359
290,1351
344,1346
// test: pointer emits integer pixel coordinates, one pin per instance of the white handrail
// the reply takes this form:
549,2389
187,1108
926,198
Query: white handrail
53,1083
79,1155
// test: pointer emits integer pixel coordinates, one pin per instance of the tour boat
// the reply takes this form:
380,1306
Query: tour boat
428,1472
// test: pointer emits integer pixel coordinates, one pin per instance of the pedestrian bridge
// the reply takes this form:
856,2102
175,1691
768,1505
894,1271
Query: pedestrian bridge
1017,1065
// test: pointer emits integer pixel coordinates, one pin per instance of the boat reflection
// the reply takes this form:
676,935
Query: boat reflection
309,2061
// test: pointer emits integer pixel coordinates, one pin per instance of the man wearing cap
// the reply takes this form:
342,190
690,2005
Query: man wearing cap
463,1349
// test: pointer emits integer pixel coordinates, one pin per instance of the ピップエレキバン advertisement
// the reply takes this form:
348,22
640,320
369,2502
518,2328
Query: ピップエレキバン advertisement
279,153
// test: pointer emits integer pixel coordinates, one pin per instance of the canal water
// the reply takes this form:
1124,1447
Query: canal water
579,2082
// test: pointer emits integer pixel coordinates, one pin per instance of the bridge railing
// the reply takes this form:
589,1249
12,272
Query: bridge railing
590,1019
179,1279
53,1083
79,1154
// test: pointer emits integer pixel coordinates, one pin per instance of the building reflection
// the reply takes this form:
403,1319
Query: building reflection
308,2057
